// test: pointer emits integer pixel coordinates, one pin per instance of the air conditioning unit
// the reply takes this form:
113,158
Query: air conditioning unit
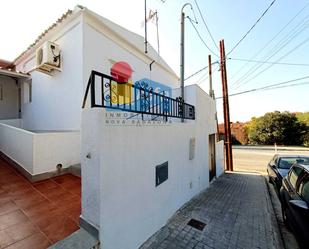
48,57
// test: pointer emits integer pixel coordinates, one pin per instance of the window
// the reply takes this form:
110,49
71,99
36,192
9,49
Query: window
293,176
27,91
303,190
287,162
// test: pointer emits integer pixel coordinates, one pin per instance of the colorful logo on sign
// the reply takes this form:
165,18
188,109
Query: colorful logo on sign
124,92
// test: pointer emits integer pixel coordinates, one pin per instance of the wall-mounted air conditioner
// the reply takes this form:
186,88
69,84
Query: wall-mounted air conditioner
48,57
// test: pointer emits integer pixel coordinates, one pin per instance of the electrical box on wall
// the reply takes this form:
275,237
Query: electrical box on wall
161,173
192,148
48,58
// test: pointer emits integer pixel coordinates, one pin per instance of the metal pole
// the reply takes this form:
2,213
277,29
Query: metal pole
182,56
182,59
211,94
146,50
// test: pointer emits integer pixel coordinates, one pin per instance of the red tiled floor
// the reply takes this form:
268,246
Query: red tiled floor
36,215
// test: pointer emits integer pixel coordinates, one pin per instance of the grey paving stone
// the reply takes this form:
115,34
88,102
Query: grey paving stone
238,214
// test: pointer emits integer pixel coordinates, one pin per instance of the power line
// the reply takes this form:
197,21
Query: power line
270,62
273,86
272,39
191,21
202,69
212,38
282,57
259,19
298,29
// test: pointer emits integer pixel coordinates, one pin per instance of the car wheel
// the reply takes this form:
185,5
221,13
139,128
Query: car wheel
284,217
269,180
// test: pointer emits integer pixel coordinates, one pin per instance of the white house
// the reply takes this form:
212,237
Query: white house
137,170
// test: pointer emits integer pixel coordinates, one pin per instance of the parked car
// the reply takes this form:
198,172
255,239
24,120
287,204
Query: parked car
279,166
294,195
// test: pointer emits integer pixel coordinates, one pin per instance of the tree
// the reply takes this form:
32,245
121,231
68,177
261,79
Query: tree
277,127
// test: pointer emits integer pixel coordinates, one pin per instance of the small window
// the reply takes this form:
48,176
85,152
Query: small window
293,176
27,91
304,189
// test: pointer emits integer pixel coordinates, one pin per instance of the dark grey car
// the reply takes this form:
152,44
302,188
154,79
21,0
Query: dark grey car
279,166
294,196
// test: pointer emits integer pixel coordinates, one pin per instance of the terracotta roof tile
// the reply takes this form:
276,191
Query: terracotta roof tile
39,38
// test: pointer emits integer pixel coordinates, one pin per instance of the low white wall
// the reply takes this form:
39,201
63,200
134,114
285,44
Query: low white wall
55,148
39,152
12,122
18,145
220,166
119,195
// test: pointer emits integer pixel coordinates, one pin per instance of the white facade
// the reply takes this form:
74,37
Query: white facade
118,162
118,167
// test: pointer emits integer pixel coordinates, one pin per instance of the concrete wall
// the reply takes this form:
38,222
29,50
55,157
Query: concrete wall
220,163
8,98
100,51
56,100
18,123
124,202
39,152
18,145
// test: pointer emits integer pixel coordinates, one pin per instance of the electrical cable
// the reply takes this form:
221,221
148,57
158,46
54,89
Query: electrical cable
298,29
259,19
270,62
200,70
212,38
272,39
197,32
272,86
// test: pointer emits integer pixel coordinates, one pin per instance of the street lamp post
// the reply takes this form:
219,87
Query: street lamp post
182,54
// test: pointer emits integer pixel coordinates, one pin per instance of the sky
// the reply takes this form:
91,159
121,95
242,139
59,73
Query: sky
281,36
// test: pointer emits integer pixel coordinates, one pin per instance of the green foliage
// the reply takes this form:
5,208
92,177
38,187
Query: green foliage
303,117
282,128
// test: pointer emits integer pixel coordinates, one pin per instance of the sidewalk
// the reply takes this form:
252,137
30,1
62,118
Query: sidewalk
237,212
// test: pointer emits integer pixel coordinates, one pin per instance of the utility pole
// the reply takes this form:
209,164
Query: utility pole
226,110
211,91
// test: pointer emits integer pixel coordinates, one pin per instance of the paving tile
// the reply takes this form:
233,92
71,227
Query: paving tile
35,241
34,215
8,207
16,233
237,211
12,218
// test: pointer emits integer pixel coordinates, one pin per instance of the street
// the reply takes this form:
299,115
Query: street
255,159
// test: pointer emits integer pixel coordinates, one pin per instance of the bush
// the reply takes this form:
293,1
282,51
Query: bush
282,128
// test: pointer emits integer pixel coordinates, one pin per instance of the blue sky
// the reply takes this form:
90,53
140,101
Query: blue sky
22,21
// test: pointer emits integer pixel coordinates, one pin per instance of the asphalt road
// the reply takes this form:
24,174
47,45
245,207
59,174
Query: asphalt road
255,159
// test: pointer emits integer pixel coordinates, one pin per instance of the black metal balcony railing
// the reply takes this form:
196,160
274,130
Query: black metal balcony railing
106,92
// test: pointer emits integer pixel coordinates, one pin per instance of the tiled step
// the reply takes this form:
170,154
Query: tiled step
80,239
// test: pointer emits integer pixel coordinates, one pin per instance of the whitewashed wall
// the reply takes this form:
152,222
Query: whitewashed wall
18,123
56,100
55,148
220,166
39,152
8,98
120,171
17,144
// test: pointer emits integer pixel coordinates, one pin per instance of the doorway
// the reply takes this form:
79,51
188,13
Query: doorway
212,156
